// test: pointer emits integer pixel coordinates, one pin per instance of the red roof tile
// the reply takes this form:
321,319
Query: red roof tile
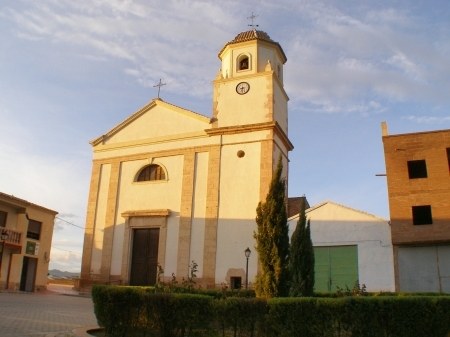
253,35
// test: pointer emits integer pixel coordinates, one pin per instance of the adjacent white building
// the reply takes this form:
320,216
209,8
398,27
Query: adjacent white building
350,246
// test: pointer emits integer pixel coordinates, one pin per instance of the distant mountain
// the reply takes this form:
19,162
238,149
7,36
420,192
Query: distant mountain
55,273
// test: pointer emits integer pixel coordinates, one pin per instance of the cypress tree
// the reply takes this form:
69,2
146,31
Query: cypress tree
301,262
272,240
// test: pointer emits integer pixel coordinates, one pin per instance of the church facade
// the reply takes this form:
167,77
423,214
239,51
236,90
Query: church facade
171,188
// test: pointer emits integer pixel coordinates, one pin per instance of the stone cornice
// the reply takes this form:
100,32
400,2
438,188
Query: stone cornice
147,213
232,130
151,141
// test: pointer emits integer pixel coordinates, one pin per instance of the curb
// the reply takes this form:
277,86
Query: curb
82,331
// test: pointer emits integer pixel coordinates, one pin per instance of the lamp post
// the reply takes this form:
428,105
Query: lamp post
247,253
3,236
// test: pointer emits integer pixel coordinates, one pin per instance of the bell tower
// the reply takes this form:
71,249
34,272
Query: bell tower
249,88
249,134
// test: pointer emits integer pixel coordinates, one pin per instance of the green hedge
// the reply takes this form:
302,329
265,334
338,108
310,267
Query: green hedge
240,316
216,293
419,316
134,311
118,309
129,311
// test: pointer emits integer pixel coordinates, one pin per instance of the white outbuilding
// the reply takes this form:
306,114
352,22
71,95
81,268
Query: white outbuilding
350,246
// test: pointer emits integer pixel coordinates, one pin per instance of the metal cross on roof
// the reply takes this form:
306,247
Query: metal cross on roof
159,85
252,17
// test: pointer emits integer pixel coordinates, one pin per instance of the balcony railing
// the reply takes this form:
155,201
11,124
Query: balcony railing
13,237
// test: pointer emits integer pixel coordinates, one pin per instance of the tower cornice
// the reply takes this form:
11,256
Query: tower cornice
231,130
253,35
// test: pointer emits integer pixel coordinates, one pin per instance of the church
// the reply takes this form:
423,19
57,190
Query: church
171,188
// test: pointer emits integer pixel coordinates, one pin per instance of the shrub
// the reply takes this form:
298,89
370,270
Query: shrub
139,311
123,309
118,309
241,316
178,314
400,316
301,317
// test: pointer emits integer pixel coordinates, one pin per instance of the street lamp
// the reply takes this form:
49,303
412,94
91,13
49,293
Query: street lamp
3,236
247,253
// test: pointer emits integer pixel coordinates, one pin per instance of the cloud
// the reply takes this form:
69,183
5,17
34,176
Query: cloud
66,219
344,57
406,65
428,120
142,34
335,54
65,260
363,108
67,246
51,180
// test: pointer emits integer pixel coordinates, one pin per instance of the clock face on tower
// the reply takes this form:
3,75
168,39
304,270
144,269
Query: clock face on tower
242,88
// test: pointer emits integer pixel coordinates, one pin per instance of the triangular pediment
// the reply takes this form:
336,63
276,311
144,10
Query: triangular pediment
337,212
155,120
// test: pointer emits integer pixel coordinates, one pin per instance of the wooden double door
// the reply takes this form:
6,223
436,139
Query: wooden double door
144,259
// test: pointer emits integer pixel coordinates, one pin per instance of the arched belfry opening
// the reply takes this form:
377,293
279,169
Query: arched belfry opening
243,62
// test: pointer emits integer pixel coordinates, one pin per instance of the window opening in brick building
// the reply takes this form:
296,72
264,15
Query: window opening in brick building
422,215
3,216
417,169
448,158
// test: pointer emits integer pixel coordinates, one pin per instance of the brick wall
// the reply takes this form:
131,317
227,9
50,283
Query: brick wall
405,192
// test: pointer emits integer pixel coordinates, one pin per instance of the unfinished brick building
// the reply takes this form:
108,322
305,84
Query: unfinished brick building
418,180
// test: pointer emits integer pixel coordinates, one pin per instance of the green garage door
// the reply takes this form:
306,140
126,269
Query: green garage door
335,267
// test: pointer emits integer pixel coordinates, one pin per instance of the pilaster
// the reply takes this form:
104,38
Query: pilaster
185,227
212,213
90,221
108,234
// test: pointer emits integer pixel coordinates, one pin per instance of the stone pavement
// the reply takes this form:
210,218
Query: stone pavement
53,313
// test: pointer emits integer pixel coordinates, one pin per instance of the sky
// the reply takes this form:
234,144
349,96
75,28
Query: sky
71,70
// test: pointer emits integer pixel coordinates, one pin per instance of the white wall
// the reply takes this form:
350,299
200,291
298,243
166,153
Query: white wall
336,225
149,195
425,268
239,196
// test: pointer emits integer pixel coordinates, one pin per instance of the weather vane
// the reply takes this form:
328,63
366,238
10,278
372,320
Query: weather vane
159,85
252,17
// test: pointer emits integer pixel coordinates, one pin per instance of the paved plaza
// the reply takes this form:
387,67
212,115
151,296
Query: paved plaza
49,314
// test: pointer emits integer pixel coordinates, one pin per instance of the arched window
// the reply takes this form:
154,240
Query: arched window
151,172
243,62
